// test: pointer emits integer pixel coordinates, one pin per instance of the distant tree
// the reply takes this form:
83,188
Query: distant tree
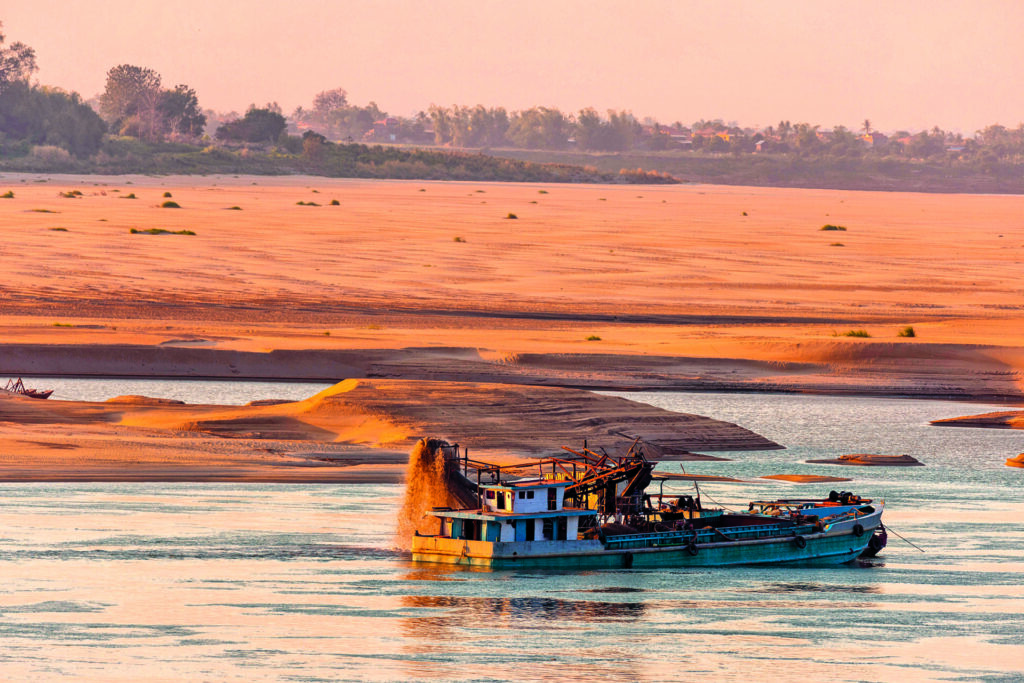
336,118
329,100
659,140
845,142
785,129
588,128
483,127
441,119
923,145
806,137
716,143
17,62
258,125
49,116
616,134
313,145
179,109
866,127
130,101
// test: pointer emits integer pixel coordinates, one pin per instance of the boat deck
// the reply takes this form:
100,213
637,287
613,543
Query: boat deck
662,539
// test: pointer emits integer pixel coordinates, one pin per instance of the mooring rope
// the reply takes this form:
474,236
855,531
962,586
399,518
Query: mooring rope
889,528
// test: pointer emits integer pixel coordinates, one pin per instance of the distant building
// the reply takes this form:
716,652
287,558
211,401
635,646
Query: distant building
385,130
875,140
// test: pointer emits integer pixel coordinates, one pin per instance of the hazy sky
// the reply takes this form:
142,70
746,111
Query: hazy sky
901,64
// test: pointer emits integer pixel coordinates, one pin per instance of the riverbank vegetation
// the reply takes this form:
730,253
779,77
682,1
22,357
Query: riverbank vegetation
137,125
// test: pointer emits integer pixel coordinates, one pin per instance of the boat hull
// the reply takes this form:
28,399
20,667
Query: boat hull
823,548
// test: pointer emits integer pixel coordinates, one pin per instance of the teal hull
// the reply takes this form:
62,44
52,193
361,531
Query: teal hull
819,549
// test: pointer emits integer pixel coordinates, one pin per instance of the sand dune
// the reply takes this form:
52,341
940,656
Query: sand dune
356,423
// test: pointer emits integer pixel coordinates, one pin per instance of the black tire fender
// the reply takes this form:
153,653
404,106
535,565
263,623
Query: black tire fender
800,541
858,530
691,548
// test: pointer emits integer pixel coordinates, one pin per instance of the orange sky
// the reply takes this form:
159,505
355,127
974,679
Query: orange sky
909,64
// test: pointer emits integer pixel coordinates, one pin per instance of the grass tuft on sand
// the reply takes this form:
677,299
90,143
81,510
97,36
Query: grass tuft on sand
160,231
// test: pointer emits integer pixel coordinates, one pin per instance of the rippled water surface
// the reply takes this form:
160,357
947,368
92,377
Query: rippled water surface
226,582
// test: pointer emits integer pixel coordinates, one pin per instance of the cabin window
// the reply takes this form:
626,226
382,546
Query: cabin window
490,494
561,527
501,500
529,494
522,495
549,529
531,526
552,498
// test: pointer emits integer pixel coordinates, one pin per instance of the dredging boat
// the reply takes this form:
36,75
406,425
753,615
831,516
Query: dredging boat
591,510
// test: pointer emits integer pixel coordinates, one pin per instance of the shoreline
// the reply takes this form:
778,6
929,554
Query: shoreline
621,372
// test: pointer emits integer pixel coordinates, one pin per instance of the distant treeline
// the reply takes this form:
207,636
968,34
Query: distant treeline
138,125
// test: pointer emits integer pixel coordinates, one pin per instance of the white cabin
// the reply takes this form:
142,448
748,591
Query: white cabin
511,512
536,495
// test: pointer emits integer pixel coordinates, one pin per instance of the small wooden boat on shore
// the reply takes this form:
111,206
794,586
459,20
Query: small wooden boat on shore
593,511
18,387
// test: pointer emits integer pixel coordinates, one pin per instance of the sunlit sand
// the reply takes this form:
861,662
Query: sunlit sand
590,286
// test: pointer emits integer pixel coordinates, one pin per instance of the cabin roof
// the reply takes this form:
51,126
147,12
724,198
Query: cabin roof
527,484
501,516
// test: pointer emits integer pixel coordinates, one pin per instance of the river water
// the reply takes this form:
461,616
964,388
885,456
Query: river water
228,582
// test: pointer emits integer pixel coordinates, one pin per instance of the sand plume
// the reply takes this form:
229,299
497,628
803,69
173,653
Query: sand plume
431,481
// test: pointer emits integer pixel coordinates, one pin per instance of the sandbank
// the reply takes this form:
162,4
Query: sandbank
1009,419
686,287
357,430
669,287
871,460
805,478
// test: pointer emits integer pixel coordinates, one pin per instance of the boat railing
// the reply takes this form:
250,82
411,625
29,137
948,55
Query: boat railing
684,537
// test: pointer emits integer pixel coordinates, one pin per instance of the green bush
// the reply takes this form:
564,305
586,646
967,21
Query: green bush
829,226
7,195
170,205
907,331
511,216
856,333
167,194
160,231
593,337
